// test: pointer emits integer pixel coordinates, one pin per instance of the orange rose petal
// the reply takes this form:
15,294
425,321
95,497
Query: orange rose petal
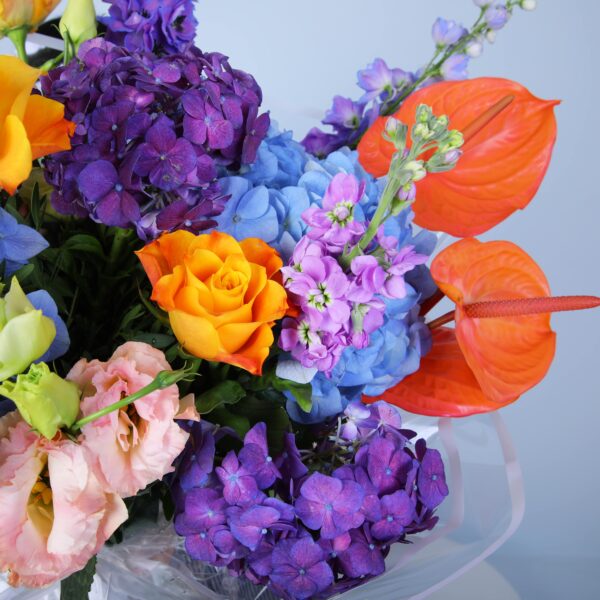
201,264
257,282
235,336
168,287
261,253
161,256
47,129
508,355
15,154
252,356
444,385
197,335
271,304
222,244
502,165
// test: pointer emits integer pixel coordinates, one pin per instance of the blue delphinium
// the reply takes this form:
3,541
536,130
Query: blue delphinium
18,243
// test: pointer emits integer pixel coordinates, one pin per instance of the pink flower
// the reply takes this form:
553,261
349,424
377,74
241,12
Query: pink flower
54,512
136,445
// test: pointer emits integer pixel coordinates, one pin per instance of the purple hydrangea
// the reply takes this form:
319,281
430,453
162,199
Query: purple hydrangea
151,25
308,535
152,132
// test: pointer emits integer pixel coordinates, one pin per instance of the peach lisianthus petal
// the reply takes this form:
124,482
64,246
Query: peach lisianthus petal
136,445
42,542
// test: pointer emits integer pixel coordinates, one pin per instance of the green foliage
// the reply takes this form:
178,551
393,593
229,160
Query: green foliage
77,586
226,392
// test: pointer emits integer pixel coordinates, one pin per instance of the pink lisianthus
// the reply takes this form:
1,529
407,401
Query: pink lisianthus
55,513
135,445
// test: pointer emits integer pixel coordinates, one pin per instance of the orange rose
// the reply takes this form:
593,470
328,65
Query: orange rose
220,294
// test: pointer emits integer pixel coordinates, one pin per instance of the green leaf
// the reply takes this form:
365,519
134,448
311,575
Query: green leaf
77,586
226,392
24,272
158,340
82,242
221,416
302,392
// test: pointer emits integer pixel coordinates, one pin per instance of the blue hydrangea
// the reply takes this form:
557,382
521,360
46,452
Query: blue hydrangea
18,243
42,300
280,161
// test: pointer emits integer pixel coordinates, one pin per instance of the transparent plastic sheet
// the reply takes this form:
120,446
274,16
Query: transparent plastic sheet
483,510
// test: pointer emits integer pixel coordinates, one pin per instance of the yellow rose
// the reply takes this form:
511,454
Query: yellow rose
30,125
220,294
24,13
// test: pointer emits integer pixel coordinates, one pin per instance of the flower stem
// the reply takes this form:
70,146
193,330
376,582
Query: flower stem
119,239
163,380
18,36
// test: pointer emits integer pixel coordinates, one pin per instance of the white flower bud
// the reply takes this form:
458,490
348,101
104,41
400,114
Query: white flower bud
417,169
475,48
528,4
490,36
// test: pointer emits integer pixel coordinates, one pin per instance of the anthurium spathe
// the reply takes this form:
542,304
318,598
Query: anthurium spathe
503,162
45,400
484,363
31,126
25,333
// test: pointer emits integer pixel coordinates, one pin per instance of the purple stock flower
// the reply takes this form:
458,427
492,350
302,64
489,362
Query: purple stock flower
165,159
255,458
362,558
344,113
334,223
446,33
111,195
396,512
239,486
330,504
431,478
378,80
455,67
299,568
496,16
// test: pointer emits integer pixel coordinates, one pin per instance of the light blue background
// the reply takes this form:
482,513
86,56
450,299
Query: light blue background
302,53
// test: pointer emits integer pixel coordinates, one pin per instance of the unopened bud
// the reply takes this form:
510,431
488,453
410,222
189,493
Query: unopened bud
528,4
490,36
475,48
417,170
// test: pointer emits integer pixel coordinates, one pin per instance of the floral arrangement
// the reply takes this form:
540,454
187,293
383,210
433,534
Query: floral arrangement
204,318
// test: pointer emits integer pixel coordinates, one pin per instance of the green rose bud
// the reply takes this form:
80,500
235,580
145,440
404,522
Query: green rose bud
78,23
25,333
46,401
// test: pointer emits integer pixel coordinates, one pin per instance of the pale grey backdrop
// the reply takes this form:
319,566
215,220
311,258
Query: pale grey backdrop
304,52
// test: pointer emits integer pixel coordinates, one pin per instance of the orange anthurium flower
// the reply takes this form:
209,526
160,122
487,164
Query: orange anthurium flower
484,363
31,126
503,161
223,296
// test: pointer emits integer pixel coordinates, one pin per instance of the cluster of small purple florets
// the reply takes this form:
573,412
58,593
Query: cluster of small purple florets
151,134
149,25
310,523
340,308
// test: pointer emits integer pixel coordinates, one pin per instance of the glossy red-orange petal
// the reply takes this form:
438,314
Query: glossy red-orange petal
444,385
507,355
502,165
374,152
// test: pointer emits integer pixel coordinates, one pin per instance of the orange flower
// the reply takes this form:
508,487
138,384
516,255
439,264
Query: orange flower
220,294
484,363
30,125
20,13
502,165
